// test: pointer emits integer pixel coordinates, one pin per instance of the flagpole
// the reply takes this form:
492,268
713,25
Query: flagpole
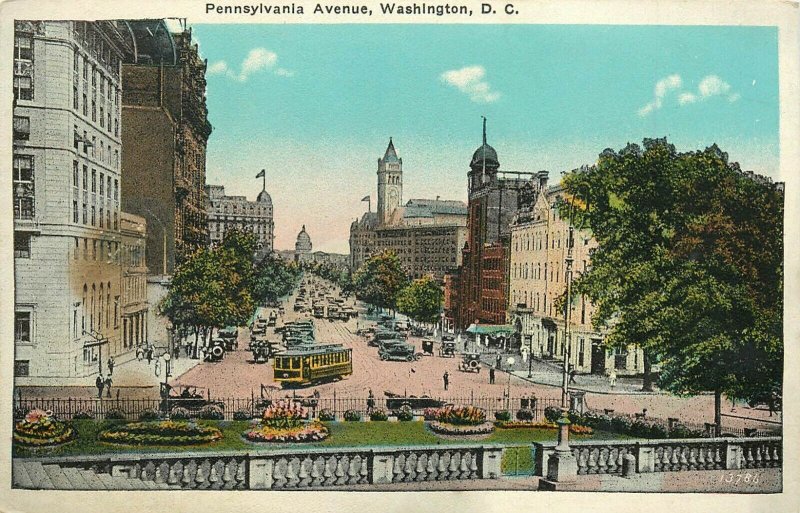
264,176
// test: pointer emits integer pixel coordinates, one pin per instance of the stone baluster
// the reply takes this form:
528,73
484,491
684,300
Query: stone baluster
452,469
682,461
442,466
173,478
201,476
611,462
776,455
674,462
410,468
188,470
718,463
149,471
241,475
767,457
693,458
591,465
464,467
292,469
330,468
353,468
759,459
341,469
582,458
304,475
665,464
364,472
227,474
397,469
474,471
748,456
214,481
317,477
602,458
279,473
431,467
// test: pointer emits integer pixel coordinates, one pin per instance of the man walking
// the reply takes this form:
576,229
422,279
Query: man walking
446,379
108,386
110,364
99,383
491,375
149,354
370,402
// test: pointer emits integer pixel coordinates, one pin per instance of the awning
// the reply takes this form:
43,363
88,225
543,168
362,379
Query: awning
490,329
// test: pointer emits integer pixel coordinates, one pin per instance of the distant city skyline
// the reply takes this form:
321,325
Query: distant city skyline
315,105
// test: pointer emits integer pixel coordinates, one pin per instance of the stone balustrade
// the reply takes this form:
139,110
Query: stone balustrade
297,469
606,457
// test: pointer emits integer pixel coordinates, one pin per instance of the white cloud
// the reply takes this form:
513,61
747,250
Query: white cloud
258,59
217,67
709,87
662,87
469,80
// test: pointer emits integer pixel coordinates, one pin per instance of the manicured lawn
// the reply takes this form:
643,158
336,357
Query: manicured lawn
517,459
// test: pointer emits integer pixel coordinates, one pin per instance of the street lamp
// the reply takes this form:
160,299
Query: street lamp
166,356
510,362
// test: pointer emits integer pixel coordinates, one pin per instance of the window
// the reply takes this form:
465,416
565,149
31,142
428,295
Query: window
94,219
94,180
108,219
23,187
85,105
22,368
22,128
23,46
74,211
101,215
22,245
102,185
23,89
22,327
85,141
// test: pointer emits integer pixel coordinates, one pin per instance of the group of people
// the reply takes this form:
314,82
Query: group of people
104,383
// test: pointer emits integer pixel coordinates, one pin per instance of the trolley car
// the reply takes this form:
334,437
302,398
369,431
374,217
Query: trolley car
303,365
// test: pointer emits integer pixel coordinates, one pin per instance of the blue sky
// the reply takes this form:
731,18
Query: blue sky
316,104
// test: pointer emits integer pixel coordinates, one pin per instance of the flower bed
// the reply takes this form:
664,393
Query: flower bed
312,432
461,415
166,432
39,429
444,428
286,422
575,429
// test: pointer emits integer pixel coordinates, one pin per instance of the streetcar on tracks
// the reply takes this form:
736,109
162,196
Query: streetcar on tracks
305,365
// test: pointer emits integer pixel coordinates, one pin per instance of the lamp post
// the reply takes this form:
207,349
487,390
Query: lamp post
562,466
166,357
530,356
510,362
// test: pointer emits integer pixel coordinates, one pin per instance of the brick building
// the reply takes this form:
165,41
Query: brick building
166,129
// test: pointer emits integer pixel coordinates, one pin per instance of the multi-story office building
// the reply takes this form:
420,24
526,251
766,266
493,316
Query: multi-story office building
66,193
134,306
227,212
427,235
164,141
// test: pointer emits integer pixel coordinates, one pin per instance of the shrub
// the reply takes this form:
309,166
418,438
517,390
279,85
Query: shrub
148,415
179,413
552,413
404,414
83,415
39,428
115,414
19,413
326,415
575,417
352,415
503,415
284,414
242,415
378,416
211,412
525,415
462,415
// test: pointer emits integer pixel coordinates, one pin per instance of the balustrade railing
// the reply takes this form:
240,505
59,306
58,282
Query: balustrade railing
606,457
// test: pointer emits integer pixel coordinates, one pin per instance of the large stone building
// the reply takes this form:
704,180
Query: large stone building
425,234
226,212
166,129
133,298
67,199
537,280
482,279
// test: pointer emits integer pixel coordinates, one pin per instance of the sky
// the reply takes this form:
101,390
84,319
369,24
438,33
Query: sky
315,105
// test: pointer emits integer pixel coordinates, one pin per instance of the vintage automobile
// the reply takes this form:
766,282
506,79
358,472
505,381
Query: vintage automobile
264,349
427,347
384,335
470,362
229,335
398,352
396,401
215,351
191,397
447,349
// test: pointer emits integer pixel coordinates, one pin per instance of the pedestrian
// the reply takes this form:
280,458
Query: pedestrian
499,361
572,373
139,353
446,379
110,364
99,383
149,354
491,375
612,378
370,402
108,386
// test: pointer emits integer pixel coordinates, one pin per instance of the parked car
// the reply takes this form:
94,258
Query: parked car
401,352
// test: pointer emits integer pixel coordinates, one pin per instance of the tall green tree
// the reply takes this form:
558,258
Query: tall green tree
380,279
689,266
421,300
274,278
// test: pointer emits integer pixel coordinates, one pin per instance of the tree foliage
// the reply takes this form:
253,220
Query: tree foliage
380,279
689,265
335,273
274,278
421,300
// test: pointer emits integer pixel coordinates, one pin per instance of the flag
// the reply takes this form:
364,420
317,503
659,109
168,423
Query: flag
365,198
259,175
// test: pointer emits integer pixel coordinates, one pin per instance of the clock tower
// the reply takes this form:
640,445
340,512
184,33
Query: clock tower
390,183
